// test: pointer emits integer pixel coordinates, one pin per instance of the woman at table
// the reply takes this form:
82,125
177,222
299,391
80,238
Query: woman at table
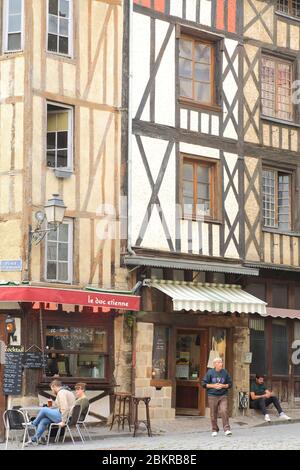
56,414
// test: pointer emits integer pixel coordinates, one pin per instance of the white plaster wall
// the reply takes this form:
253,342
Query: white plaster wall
165,78
199,150
140,61
231,204
205,12
176,8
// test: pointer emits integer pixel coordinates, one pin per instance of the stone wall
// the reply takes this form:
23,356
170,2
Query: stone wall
160,404
241,371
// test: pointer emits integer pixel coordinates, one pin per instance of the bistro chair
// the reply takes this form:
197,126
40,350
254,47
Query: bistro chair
82,422
16,424
72,423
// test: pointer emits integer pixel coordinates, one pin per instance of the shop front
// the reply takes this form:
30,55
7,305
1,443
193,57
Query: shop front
74,331
175,345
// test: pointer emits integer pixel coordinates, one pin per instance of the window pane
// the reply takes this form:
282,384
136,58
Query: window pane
51,251
258,347
283,201
186,88
51,140
188,172
63,233
52,42
53,234
63,45
15,6
185,68
160,352
64,8
51,271
53,24
63,251
269,198
62,121
185,48
203,191
279,348
62,158
188,188
202,72
203,53
63,27
14,42
62,272
51,159
202,92
62,140
14,23
203,174
268,87
53,7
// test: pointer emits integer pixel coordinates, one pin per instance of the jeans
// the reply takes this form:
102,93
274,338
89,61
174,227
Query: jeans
45,417
218,405
262,403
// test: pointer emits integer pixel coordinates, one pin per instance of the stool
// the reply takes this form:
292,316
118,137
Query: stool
119,410
137,421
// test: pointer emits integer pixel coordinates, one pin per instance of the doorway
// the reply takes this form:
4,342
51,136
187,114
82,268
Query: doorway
191,361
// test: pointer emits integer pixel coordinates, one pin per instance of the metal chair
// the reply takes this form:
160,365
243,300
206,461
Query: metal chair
16,423
82,422
72,422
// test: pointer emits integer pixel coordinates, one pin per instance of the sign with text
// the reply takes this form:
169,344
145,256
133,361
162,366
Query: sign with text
12,379
11,265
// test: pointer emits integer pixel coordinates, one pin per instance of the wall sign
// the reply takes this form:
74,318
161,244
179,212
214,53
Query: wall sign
11,265
12,380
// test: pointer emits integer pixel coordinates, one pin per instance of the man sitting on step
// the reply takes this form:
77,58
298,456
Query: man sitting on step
261,398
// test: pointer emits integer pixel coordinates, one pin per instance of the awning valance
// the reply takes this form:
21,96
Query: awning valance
283,313
69,296
209,297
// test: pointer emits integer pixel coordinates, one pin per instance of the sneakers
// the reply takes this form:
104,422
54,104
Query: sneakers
284,416
267,418
214,434
228,433
31,443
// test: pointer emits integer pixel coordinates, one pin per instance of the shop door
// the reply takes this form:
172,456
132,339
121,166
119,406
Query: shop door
191,361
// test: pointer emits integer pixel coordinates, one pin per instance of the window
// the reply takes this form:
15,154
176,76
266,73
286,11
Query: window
279,347
160,352
199,189
196,70
59,253
289,7
77,352
276,83
60,26
257,345
13,25
59,136
277,199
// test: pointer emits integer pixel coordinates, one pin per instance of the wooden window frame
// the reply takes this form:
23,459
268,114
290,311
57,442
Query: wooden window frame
84,320
70,223
290,10
278,171
278,60
70,110
214,185
193,101
5,28
70,53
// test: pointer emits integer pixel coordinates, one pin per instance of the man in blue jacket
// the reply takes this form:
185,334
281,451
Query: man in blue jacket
217,382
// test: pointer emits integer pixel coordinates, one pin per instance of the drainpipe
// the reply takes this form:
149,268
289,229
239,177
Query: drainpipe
129,165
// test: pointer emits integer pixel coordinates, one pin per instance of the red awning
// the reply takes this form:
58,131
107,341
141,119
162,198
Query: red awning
283,313
69,296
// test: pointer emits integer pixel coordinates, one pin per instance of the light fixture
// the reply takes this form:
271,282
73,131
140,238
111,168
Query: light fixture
10,326
53,214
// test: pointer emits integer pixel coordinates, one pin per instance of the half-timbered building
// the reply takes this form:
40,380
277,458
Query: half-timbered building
185,190
60,132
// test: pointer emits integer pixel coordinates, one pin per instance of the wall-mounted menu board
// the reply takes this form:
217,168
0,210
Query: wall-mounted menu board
160,352
12,380
34,360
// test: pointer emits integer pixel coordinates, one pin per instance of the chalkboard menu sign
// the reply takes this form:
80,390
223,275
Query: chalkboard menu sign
34,360
160,352
12,383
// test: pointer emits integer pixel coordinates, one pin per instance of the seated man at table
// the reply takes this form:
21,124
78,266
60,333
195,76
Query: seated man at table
261,398
81,399
58,413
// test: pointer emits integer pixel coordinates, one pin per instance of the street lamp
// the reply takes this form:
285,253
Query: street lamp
53,214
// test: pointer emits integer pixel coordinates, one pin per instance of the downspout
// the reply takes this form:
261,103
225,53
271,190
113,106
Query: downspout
129,151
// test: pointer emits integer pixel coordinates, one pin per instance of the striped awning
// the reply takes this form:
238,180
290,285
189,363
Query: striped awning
217,298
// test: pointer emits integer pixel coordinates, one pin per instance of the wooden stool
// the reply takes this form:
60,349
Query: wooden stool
119,410
137,421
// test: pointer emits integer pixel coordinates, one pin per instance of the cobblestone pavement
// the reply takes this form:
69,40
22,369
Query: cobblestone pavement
281,437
